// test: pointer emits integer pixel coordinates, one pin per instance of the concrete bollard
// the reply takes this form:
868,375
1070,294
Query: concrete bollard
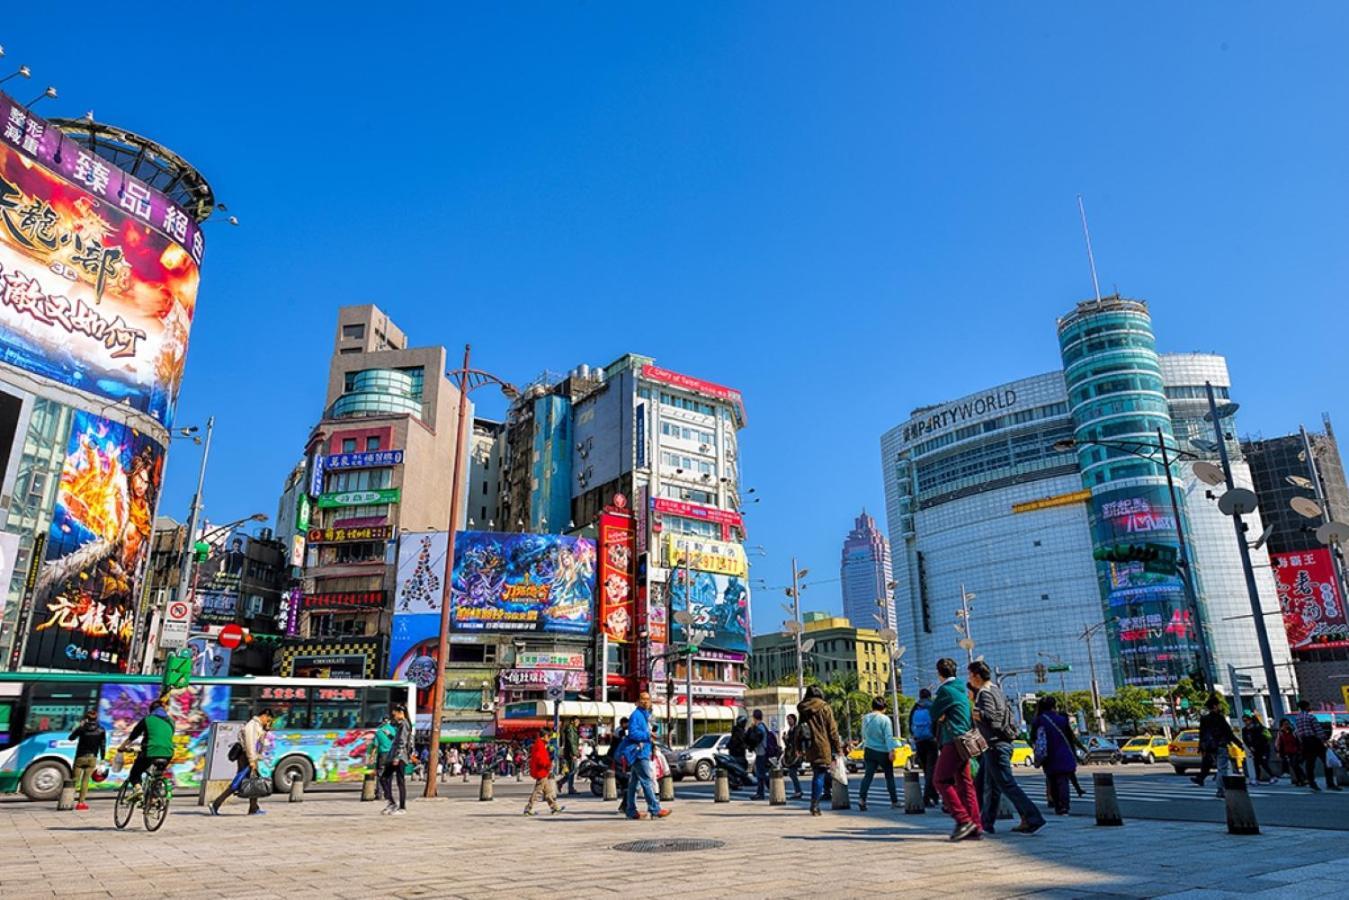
1107,803
838,798
517,775
297,789
485,789
913,795
722,792
667,789
777,788
465,774
1240,810
368,786
1004,807
67,799
610,786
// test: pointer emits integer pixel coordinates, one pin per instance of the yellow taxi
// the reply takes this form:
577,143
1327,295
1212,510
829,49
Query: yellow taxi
903,753
1146,748
1184,754
1023,754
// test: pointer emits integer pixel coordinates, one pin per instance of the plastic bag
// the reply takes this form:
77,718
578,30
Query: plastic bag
839,770
1333,760
659,767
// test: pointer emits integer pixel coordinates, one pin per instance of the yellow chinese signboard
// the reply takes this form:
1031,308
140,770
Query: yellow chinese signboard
1051,502
705,555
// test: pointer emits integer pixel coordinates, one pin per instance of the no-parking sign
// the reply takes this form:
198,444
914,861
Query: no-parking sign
177,622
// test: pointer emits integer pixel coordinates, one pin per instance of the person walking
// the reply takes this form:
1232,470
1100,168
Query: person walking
383,741
817,742
878,752
757,739
1215,738
247,754
571,753
395,764
993,718
1258,739
737,748
1311,745
952,715
91,742
636,752
1051,736
1290,752
924,736
792,758
541,770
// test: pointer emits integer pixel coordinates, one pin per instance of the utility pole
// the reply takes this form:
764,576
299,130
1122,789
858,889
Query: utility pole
185,568
1261,631
1087,634
797,575
967,639
891,637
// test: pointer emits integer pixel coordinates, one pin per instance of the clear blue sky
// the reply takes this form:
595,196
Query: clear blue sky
843,210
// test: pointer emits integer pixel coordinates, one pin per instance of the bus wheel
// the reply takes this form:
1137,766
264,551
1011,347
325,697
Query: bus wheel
42,781
288,770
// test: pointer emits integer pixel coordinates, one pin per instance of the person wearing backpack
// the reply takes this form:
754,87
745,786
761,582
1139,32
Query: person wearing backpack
818,742
759,739
993,718
924,743
878,742
1053,740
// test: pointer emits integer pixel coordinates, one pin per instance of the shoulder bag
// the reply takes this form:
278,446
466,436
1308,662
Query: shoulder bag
970,745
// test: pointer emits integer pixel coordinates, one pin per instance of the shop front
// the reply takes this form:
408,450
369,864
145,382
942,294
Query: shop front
331,658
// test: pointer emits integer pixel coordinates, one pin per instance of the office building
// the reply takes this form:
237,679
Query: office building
838,649
865,575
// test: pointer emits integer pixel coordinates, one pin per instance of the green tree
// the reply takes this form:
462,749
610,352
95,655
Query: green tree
1129,706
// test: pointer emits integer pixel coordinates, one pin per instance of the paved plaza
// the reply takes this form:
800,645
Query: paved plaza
333,845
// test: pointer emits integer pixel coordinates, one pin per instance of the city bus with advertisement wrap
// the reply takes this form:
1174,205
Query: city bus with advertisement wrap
323,730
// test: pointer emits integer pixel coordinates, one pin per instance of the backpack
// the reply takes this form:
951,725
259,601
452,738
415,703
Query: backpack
804,737
921,724
771,746
1006,728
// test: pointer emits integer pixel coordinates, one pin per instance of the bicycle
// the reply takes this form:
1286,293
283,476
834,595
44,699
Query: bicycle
156,792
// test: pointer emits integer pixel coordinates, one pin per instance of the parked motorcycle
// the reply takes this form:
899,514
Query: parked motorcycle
594,770
737,773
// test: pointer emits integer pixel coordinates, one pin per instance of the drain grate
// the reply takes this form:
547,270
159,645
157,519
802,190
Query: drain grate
668,845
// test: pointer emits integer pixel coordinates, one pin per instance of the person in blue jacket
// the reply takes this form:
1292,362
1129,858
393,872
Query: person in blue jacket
636,752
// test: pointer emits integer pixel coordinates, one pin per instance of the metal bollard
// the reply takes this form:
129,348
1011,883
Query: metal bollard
610,785
1240,810
722,792
485,788
777,788
1107,803
667,788
1004,808
368,786
67,799
297,789
465,774
517,774
838,798
913,795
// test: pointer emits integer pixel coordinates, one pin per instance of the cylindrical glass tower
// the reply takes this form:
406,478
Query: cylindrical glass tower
1116,397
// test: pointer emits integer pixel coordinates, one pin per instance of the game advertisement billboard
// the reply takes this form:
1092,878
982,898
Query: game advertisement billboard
86,592
1309,595
418,595
97,287
522,582
719,605
618,556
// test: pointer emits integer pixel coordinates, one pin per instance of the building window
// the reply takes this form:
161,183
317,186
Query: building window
372,442
353,332
346,350
348,445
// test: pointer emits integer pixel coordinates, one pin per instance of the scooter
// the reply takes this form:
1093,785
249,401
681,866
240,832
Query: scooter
594,770
737,773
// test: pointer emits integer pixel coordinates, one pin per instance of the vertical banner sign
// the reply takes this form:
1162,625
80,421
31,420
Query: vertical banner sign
641,435
418,596
1313,610
617,558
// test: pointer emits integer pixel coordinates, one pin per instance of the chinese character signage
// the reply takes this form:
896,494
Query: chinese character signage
417,598
372,460
359,498
617,549
696,385
719,605
101,526
694,511
90,295
522,582
541,679
553,660
1313,610
705,554
350,535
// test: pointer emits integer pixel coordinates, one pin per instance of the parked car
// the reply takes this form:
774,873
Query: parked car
698,760
1100,750
1184,752
1023,754
903,754
1146,748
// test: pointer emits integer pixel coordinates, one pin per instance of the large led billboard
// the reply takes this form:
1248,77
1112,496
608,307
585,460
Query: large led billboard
719,605
522,582
98,272
86,593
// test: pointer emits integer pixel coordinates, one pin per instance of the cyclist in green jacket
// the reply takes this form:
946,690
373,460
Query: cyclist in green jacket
156,731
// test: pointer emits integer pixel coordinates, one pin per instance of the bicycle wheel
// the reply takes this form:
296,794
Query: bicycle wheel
122,810
156,805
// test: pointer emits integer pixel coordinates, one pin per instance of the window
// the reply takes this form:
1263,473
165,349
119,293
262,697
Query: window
58,706
353,332
346,350
360,480
372,442
348,445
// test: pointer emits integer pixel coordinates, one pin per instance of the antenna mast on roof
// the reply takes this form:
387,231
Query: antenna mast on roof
1090,258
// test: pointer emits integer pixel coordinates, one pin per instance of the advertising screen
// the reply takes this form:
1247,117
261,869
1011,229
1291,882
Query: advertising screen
97,290
719,605
522,582
618,543
1313,610
416,606
99,536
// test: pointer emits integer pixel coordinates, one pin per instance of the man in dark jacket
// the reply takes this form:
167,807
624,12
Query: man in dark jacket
756,739
571,754
993,718
791,759
817,741
1215,736
1258,741
91,741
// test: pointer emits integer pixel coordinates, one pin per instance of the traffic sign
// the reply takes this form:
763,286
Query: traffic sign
177,621
554,692
230,636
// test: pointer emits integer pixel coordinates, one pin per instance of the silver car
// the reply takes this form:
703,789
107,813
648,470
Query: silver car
697,760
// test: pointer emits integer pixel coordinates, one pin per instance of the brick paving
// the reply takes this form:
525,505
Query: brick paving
333,845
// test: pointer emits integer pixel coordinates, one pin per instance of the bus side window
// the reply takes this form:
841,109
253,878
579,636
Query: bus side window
58,706
241,703
376,706
329,714
287,714
9,722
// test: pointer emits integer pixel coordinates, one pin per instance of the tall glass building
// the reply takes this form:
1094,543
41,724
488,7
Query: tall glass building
865,571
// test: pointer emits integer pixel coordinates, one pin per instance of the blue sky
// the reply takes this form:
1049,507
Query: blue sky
844,210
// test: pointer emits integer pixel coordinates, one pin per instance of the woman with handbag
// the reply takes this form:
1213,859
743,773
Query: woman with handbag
1050,736
395,764
817,741
959,743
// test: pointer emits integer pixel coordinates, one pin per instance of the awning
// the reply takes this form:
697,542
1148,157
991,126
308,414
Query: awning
591,710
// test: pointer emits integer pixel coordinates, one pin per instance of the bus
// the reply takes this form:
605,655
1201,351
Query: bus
322,732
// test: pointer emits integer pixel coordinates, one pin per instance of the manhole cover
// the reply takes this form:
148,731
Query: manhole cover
668,845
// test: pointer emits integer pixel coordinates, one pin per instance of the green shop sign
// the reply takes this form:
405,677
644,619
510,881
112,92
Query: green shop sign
359,498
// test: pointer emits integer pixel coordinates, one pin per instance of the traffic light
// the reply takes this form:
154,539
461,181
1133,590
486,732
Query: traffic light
177,671
202,551
1158,558
1041,673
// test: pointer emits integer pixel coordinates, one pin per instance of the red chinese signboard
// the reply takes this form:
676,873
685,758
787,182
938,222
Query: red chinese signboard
369,599
1309,595
617,558
350,535
694,511
697,385
272,692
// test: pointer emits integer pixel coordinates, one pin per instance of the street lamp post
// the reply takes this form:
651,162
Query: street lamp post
967,637
795,592
185,568
891,638
1087,634
466,379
